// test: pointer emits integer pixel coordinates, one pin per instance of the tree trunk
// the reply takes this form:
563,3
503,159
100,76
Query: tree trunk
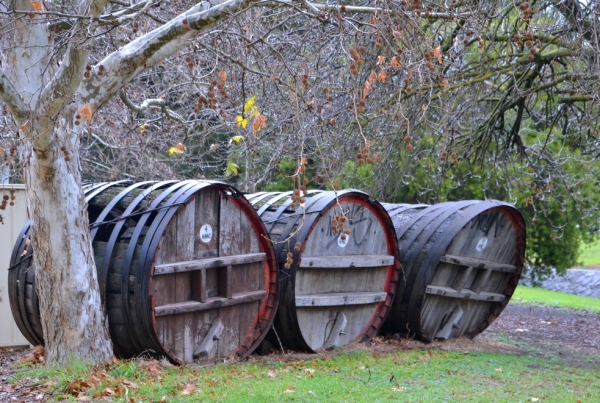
70,302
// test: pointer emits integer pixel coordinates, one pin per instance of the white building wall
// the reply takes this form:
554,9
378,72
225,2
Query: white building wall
14,218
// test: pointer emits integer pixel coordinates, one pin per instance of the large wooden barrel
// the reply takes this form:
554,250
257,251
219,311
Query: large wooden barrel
461,262
186,270
343,272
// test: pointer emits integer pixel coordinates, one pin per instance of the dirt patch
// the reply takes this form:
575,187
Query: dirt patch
573,336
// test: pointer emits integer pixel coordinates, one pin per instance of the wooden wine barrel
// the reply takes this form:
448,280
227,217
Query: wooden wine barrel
461,262
339,285
185,270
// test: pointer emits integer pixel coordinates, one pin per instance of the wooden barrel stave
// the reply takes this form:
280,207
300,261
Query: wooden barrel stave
165,234
441,299
328,285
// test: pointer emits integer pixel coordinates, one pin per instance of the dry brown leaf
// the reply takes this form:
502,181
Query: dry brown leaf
437,52
132,385
24,253
366,89
188,389
37,354
153,367
380,60
108,391
396,62
37,6
86,112
260,122
25,125
272,373
223,76
84,398
444,83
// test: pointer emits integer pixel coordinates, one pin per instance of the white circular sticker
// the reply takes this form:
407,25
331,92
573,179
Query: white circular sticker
482,244
343,242
205,233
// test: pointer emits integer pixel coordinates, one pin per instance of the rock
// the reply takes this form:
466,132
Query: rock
583,282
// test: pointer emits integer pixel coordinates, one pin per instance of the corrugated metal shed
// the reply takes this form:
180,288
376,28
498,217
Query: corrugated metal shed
14,218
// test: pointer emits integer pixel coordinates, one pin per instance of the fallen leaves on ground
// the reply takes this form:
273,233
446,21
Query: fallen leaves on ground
188,389
37,354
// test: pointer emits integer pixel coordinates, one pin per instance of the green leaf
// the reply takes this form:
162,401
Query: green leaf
232,169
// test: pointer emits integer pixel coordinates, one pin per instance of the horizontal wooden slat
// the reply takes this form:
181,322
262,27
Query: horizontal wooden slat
464,294
209,263
211,303
339,262
336,299
478,263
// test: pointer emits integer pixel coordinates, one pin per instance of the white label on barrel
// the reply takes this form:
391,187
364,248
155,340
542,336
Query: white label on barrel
206,233
343,242
481,244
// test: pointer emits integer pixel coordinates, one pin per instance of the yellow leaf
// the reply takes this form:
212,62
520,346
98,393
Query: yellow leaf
175,150
237,139
232,169
37,6
249,104
86,112
254,112
241,121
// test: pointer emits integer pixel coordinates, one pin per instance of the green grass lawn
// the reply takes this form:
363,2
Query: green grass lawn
405,376
540,296
417,375
590,254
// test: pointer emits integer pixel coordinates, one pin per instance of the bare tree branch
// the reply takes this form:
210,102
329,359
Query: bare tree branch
10,95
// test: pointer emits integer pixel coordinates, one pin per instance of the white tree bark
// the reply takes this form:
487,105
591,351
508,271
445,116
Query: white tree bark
46,101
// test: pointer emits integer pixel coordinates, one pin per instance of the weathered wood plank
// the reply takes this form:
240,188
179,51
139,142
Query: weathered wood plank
199,286
212,303
335,299
478,263
230,244
338,330
209,263
464,294
451,323
209,341
332,262
225,282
